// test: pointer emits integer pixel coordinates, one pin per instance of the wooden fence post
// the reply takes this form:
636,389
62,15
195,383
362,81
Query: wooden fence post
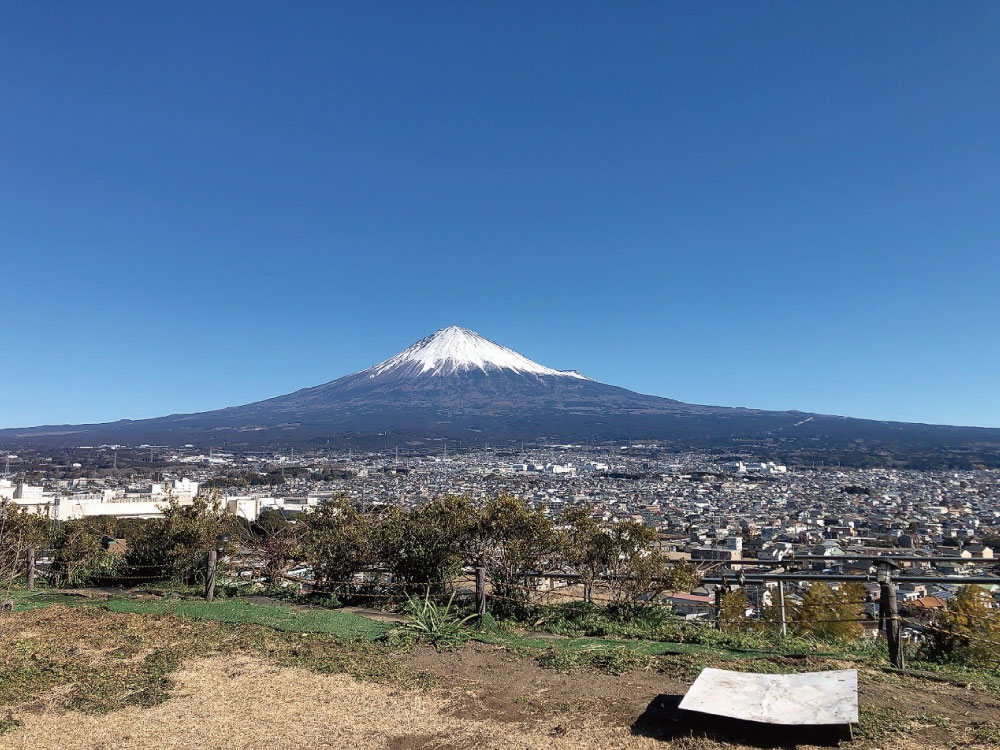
213,559
893,634
784,622
889,614
29,567
481,590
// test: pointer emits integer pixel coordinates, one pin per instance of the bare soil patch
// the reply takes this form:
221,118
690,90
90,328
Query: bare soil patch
486,680
491,679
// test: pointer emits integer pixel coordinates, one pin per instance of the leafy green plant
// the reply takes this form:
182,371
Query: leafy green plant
439,625
329,601
619,660
488,624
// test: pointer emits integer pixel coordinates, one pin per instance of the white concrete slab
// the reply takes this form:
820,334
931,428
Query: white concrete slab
805,698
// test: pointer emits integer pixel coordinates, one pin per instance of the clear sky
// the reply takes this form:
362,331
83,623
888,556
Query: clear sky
769,204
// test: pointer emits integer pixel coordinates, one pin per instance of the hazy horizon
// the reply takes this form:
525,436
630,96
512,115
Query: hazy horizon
220,406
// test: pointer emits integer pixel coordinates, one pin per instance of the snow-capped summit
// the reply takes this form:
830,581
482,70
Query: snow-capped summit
453,350
456,385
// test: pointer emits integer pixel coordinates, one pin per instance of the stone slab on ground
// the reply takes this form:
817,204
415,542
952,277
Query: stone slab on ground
807,698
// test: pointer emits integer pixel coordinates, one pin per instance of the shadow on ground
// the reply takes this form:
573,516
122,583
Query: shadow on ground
663,719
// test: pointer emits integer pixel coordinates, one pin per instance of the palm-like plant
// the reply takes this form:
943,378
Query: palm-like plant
437,624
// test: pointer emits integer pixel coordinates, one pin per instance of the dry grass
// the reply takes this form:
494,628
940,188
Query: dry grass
85,677
97,661
243,702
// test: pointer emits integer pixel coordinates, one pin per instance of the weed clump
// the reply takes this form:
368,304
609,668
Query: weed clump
876,723
986,732
8,723
617,660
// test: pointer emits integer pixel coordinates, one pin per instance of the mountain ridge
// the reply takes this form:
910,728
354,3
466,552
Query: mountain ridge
458,385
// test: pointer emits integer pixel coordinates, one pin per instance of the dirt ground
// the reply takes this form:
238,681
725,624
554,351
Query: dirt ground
497,683
246,703
485,697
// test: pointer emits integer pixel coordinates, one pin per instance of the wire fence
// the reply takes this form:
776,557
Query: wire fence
541,589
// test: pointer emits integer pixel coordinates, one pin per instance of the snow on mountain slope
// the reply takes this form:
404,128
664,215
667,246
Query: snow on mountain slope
453,349
457,385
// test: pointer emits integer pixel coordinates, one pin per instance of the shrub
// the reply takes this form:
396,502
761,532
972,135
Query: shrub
828,614
512,540
338,543
177,544
425,547
18,531
584,546
733,612
967,631
276,542
75,549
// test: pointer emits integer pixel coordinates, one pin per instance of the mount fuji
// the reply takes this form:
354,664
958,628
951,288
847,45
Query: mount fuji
458,385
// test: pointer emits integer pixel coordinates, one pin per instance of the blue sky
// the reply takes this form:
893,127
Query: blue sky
778,205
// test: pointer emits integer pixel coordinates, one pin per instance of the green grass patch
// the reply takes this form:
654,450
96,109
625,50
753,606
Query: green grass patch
616,656
658,624
985,679
25,600
342,624
615,660
876,723
986,732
